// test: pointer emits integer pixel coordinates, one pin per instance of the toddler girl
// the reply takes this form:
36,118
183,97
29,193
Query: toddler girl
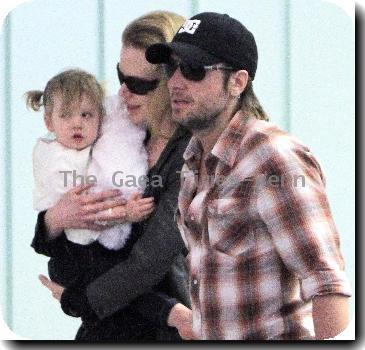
86,142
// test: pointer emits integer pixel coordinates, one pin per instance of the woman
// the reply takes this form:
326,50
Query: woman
129,301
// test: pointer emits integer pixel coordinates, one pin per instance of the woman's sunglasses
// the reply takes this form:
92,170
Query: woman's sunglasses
137,85
188,71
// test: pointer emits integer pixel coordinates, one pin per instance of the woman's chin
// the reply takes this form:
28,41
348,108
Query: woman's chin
137,118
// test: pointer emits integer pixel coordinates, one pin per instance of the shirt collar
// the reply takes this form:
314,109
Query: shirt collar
193,153
226,147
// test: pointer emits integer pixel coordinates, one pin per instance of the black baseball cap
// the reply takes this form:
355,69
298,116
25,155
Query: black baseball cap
209,38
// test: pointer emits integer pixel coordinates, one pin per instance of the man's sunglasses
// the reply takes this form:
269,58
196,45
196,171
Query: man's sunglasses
188,71
137,85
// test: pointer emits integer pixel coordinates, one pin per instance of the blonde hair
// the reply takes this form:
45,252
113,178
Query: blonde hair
151,28
249,103
71,85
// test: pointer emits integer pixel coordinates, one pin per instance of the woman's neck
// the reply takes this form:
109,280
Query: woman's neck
166,128
159,140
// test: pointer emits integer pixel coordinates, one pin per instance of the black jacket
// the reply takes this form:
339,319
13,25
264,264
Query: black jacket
128,287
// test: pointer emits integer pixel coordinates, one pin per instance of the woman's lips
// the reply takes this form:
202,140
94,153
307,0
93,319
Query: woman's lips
132,108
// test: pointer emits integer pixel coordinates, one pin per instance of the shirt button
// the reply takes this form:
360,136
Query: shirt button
195,282
192,218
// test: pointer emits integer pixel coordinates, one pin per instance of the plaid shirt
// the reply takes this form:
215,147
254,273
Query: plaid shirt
261,238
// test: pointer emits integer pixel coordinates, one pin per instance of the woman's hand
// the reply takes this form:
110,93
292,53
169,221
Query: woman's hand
76,209
55,288
138,208
135,210
181,318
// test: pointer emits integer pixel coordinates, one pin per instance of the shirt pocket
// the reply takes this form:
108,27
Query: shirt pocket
229,226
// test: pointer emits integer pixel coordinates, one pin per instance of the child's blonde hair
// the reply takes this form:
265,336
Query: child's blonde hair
71,85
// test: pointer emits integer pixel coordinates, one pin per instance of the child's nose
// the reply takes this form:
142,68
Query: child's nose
77,121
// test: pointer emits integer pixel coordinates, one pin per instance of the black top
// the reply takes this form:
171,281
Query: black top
152,260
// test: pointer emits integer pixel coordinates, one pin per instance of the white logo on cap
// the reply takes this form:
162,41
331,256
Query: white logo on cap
190,26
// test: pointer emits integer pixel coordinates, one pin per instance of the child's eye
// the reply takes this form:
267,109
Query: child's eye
86,115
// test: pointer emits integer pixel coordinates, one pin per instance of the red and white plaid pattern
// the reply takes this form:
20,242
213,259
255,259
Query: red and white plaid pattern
261,240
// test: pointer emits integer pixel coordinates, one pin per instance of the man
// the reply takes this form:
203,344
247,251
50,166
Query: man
264,256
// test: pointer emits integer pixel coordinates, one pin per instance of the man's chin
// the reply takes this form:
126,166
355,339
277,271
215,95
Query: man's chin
178,117
195,123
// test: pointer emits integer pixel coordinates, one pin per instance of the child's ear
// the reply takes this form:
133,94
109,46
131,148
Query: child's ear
48,122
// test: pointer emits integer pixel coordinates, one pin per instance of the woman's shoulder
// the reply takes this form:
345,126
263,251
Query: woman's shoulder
180,140
172,158
183,133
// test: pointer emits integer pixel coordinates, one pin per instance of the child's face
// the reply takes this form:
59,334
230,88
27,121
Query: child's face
77,130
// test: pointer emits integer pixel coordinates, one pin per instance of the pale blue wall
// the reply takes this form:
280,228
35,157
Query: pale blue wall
323,105
305,81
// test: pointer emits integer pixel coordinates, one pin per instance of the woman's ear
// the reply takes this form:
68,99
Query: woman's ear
48,122
238,82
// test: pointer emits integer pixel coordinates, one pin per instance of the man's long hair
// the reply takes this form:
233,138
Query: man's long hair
248,102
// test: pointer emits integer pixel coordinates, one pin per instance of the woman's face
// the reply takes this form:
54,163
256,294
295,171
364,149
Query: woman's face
133,63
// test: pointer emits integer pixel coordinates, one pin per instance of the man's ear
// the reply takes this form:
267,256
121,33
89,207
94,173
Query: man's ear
238,82
48,122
